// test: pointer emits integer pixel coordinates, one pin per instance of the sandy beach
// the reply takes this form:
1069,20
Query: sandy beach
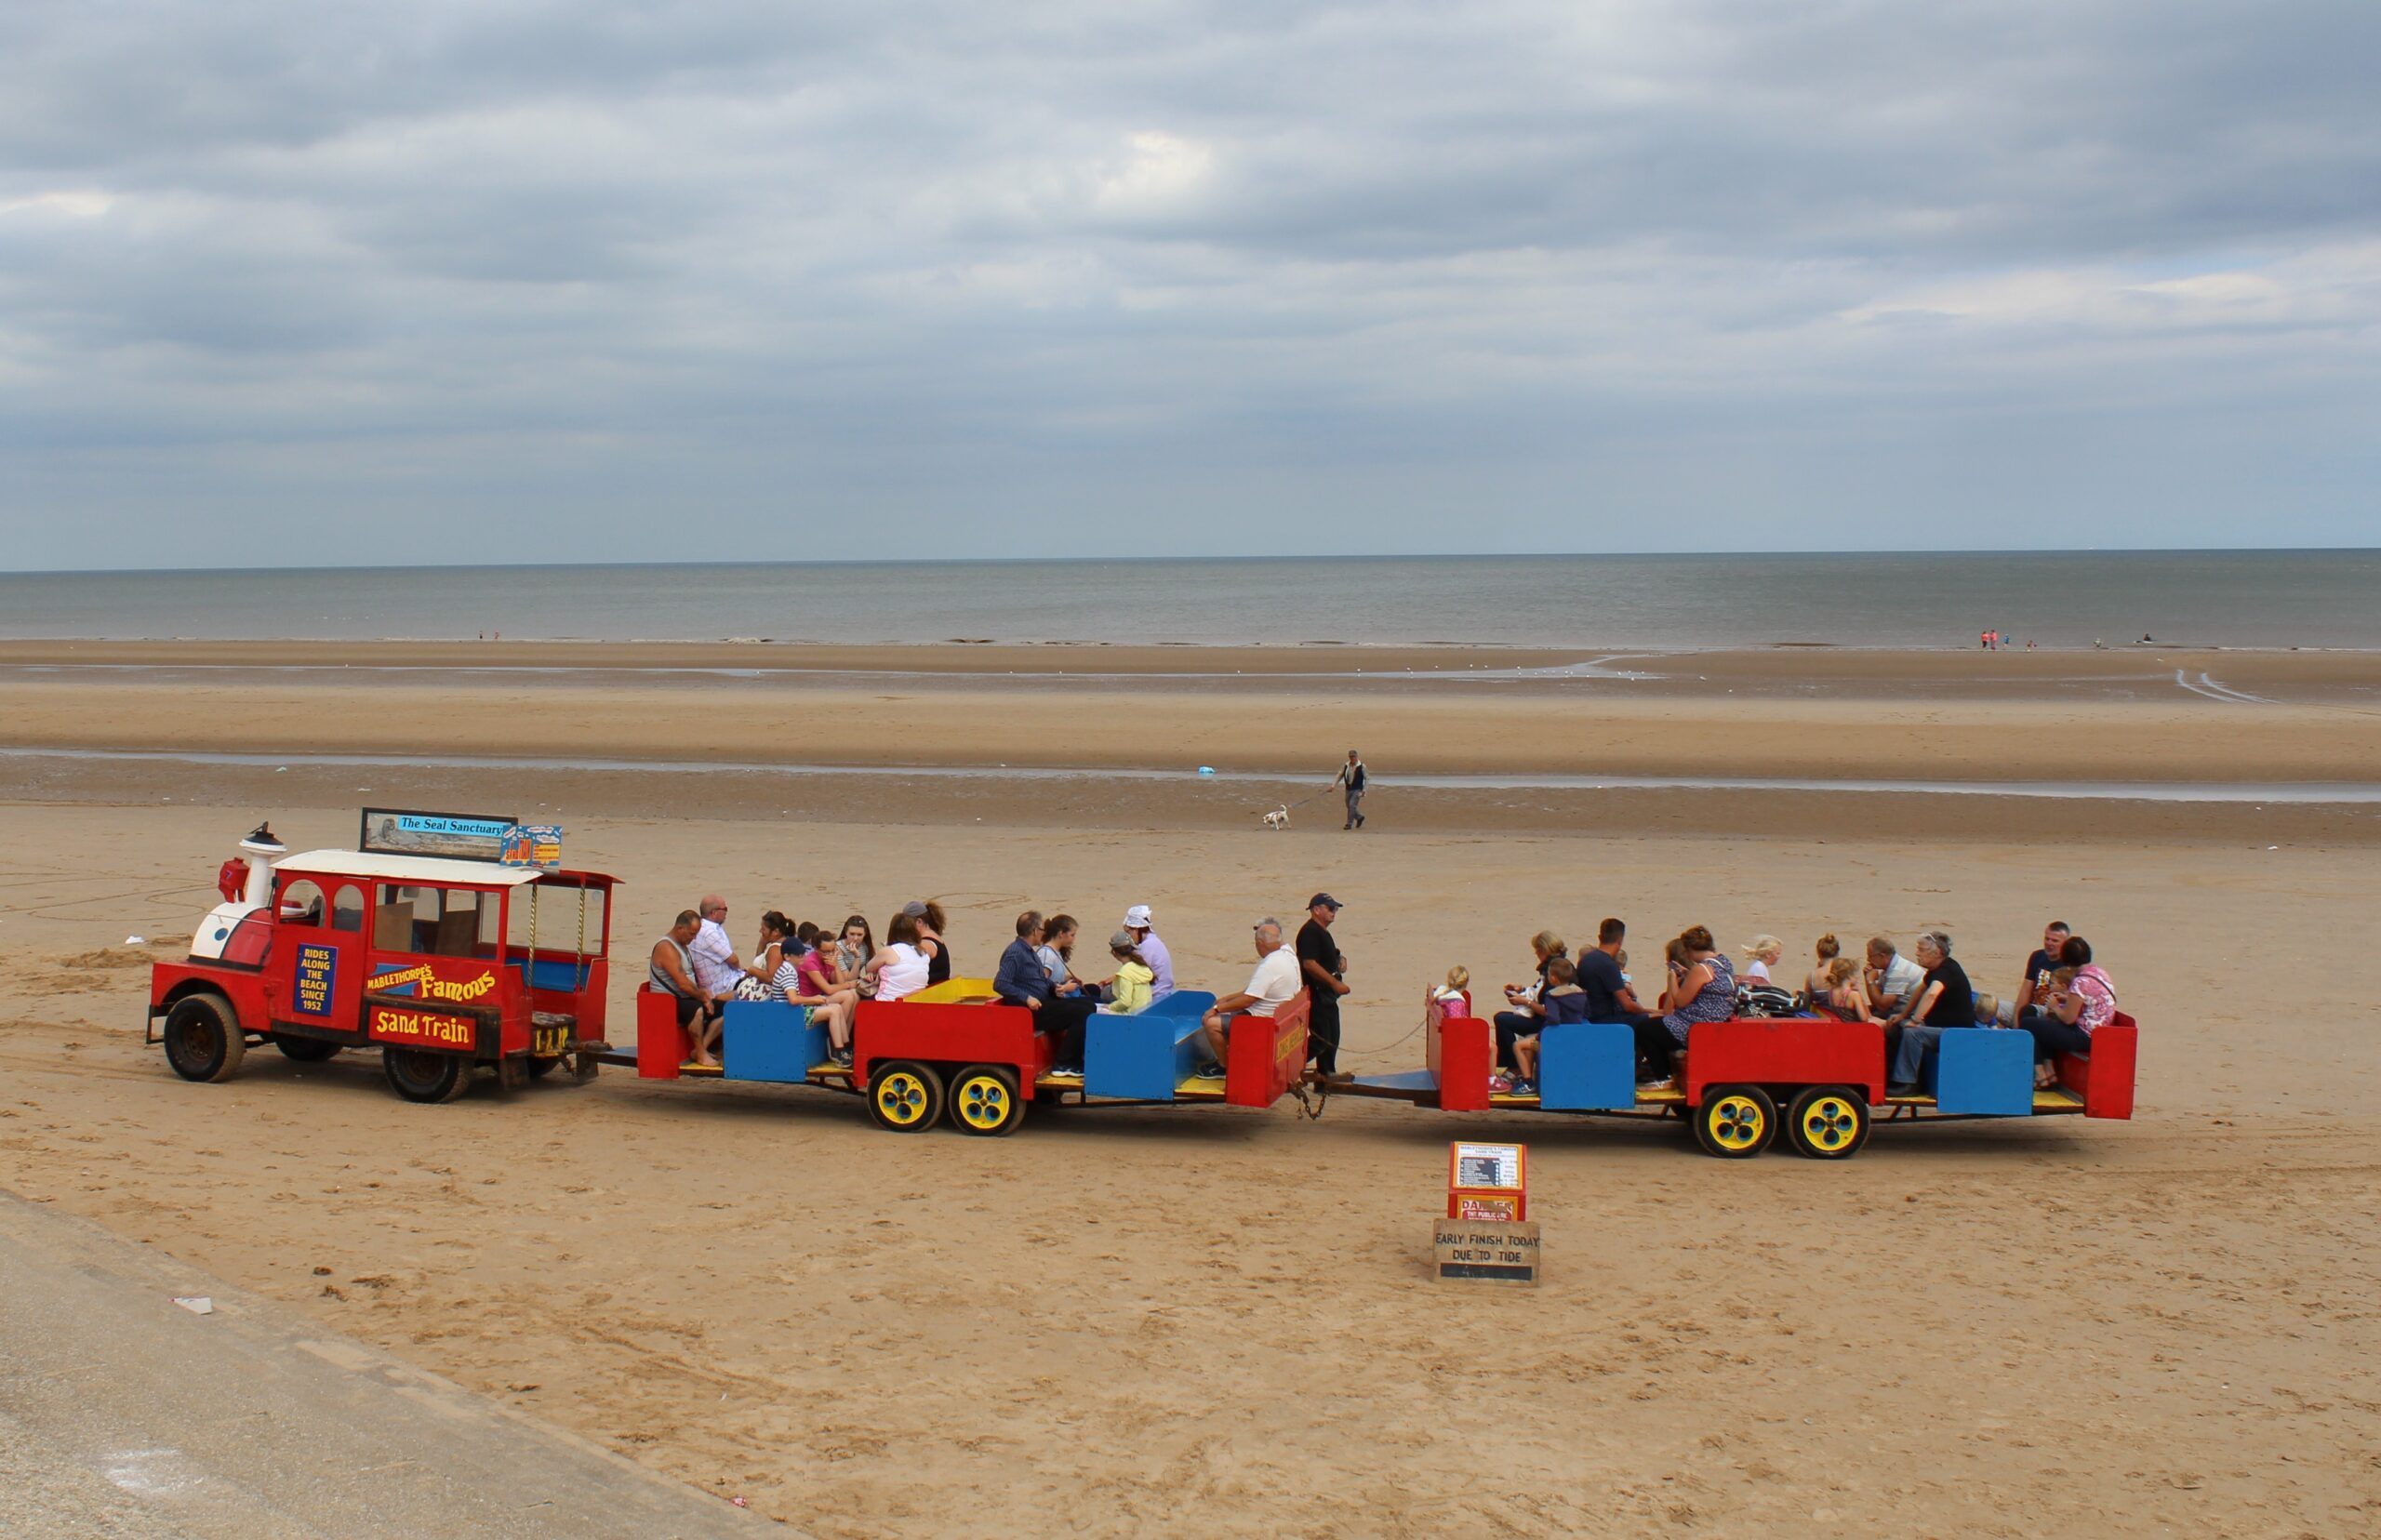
1199,1323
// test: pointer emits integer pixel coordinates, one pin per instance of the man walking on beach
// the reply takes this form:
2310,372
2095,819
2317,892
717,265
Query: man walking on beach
1352,778
1321,967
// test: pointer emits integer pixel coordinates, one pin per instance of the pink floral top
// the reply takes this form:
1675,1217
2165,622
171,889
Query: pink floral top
2099,998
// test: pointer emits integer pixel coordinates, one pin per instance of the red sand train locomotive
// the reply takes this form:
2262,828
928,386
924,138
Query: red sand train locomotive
447,963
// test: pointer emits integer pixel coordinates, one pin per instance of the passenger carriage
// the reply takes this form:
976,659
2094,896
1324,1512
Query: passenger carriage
1818,1082
951,1053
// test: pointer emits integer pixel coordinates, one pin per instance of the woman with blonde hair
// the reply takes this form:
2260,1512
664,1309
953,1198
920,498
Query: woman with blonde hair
1762,953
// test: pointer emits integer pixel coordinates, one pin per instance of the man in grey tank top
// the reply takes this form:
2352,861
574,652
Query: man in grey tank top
671,970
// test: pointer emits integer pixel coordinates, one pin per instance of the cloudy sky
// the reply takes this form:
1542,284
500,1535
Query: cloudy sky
590,280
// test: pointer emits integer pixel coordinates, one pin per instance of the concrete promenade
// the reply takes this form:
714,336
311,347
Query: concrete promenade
123,1416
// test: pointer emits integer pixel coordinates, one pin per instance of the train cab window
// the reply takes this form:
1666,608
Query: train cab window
302,903
561,919
434,921
347,909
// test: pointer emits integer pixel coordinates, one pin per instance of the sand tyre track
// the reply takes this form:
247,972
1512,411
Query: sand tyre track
420,1075
305,1050
904,1096
984,1101
1828,1123
203,1039
1736,1122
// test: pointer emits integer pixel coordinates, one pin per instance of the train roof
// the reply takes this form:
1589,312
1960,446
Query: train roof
412,870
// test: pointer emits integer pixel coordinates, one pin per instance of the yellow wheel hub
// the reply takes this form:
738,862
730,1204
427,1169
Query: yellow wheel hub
1736,1122
1831,1123
983,1102
901,1098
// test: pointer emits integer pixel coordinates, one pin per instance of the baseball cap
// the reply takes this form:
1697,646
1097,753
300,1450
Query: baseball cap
1325,900
1122,939
915,909
1137,917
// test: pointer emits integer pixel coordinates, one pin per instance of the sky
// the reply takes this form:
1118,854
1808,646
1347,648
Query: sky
582,280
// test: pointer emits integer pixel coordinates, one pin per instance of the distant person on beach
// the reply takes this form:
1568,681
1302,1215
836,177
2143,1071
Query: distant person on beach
1153,950
1322,967
1352,780
671,969
2064,1023
1271,986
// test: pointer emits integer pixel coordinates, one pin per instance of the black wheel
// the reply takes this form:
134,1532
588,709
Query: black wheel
540,1068
203,1041
904,1096
306,1050
1828,1123
419,1075
984,1101
1736,1122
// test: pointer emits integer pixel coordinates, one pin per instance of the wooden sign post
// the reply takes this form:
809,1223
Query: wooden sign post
1487,1233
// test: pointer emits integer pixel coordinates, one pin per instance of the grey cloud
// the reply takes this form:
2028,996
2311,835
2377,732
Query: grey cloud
952,258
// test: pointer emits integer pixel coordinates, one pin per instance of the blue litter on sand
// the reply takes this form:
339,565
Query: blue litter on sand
1207,769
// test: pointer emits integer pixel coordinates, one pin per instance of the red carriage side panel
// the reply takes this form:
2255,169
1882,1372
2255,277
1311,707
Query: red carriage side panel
948,1033
2105,1081
1266,1055
1785,1051
1467,1052
661,1044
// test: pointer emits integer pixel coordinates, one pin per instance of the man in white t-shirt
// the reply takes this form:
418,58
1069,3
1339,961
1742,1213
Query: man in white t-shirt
1270,988
716,969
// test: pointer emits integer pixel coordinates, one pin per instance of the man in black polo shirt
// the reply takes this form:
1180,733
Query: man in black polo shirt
1943,999
1321,964
1611,999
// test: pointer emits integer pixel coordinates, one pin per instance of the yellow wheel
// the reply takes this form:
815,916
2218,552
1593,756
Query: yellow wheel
1736,1122
984,1101
1828,1123
904,1096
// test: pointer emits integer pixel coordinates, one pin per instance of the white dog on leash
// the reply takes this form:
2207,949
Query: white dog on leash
1278,819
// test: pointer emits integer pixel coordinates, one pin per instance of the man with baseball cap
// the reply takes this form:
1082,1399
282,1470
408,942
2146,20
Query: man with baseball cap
1321,967
1153,950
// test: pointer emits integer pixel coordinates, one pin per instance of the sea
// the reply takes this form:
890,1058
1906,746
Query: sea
2198,598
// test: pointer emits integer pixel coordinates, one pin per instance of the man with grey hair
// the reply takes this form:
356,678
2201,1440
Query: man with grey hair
1942,998
1270,988
717,968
